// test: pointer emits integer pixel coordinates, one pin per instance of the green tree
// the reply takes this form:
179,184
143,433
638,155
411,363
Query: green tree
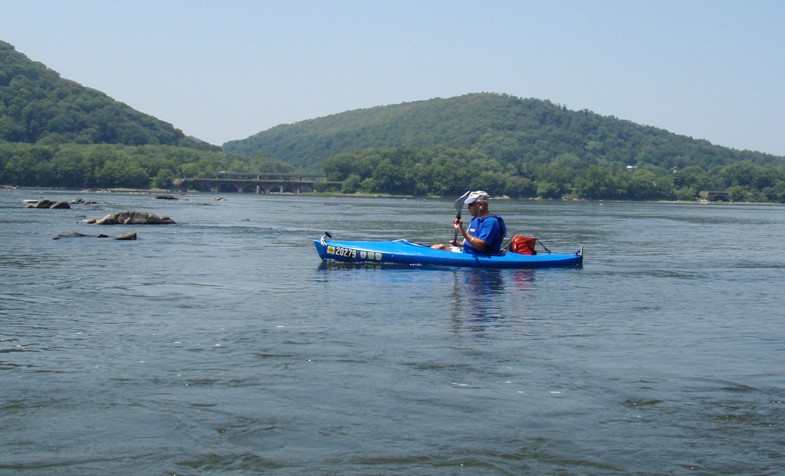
546,189
596,183
351,184
163,179
519,187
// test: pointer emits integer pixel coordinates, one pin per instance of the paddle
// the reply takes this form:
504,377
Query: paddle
458,208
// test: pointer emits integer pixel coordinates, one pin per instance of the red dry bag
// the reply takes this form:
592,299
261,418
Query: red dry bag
523,244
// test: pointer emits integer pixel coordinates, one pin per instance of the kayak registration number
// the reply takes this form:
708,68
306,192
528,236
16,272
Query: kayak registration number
343,252
353,254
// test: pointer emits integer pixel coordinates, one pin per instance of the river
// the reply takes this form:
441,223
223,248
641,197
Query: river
221,344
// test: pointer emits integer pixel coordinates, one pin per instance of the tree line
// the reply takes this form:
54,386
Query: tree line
440,171
448,172
119,166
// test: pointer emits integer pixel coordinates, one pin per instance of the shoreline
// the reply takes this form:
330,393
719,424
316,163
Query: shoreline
133,191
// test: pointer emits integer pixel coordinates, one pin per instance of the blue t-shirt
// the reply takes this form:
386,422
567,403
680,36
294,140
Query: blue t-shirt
490,229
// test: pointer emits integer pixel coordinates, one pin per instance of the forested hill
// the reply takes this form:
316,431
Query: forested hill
37,106
501,127
57,133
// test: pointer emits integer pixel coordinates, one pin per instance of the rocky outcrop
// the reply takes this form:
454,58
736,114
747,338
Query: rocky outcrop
46,203
43,203
165,197
132,218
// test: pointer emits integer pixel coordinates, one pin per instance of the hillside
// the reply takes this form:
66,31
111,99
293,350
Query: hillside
37,106
518,147
505,128
57,133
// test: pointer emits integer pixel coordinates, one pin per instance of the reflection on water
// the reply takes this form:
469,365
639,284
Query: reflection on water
479,296
522,279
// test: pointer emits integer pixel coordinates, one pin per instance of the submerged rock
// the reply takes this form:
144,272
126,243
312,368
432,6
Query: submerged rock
126,235
75,234
82,201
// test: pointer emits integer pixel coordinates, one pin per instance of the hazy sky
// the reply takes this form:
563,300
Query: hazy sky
226,69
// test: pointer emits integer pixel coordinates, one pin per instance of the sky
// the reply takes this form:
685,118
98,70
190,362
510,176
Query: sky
224,70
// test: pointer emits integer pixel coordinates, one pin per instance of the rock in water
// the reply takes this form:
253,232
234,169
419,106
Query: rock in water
82,201
46,203
126,235
75,234
132,218
43,203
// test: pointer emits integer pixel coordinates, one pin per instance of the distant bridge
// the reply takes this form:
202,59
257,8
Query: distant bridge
260,183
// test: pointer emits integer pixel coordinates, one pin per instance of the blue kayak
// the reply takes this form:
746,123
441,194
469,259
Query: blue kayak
404,252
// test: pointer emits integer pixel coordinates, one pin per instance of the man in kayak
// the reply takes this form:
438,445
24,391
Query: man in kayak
486,232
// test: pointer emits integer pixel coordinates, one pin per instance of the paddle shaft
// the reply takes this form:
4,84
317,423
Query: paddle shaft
458,207
455,238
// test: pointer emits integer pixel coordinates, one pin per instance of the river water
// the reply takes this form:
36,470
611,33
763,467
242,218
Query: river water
221,345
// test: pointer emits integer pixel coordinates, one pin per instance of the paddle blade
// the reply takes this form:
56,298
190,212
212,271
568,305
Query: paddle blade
459,204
